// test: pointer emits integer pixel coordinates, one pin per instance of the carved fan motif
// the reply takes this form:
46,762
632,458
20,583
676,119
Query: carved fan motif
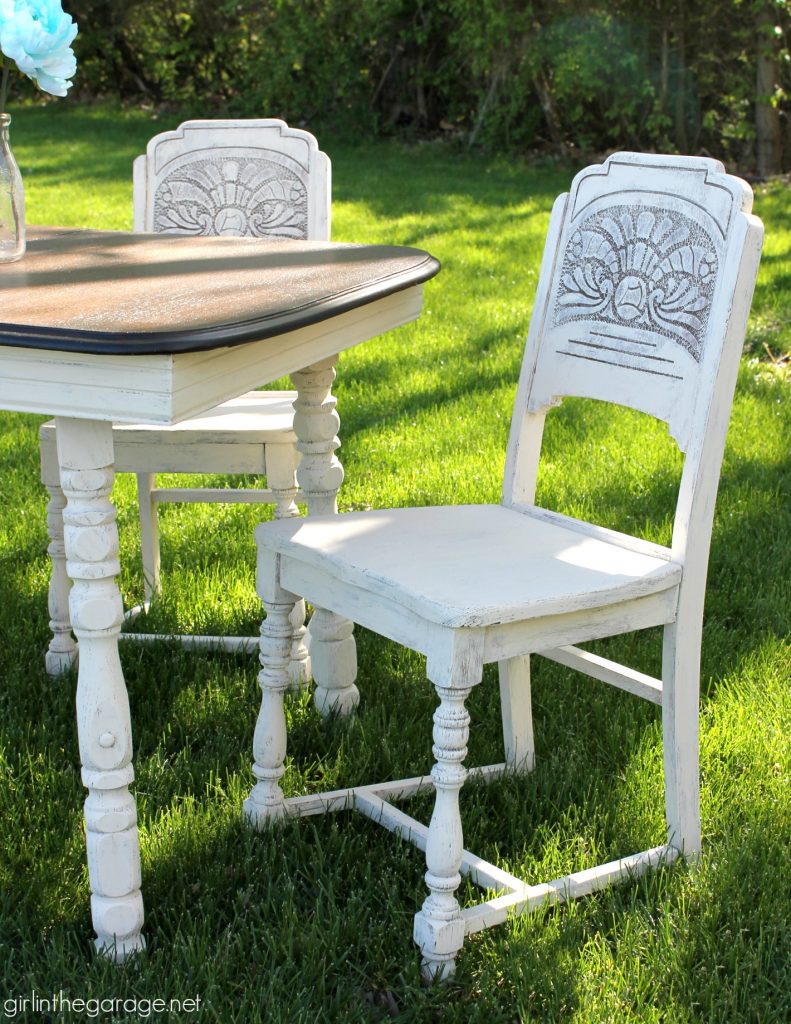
216,196
641,267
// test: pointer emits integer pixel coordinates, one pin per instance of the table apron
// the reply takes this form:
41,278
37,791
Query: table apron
168,388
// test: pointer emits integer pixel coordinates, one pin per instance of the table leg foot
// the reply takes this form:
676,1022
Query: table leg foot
116,944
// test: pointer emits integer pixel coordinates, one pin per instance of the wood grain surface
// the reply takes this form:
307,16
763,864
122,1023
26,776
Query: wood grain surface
116,292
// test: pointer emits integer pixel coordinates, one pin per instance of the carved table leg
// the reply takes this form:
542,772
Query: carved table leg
320,474
85,452
439,926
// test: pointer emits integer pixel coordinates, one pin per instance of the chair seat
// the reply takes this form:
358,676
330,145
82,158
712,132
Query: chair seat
516,565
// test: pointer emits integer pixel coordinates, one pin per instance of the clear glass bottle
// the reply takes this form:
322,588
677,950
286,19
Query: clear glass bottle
12,200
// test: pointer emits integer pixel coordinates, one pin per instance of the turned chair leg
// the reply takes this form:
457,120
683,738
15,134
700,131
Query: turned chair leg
439,926
62,652
300,670
517,714
149,534
265,802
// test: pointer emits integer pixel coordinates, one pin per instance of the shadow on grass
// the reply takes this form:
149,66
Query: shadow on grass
323,909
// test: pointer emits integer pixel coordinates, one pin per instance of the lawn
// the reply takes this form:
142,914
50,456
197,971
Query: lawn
312,922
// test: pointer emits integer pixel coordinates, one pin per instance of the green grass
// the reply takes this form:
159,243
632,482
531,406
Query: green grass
313,922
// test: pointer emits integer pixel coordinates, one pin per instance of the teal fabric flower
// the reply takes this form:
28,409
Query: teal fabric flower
37,35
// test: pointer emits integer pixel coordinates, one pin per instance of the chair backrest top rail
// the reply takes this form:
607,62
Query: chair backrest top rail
254,177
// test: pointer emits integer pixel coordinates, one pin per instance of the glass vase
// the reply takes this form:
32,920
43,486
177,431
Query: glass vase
12,200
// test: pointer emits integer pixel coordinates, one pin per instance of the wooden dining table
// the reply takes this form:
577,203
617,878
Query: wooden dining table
103,327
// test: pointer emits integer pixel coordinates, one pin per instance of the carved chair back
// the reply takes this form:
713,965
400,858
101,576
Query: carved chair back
643,297
251,177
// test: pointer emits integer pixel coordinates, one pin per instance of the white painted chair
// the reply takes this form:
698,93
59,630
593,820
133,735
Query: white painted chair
643,298
256,178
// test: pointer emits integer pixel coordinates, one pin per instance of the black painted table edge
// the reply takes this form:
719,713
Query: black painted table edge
57,339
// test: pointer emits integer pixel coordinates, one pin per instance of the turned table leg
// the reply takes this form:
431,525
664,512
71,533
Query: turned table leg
85,454
281,478
333,652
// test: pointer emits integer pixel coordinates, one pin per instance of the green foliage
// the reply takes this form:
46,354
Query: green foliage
570,75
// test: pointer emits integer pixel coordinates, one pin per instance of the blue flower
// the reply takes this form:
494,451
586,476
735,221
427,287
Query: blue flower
37,35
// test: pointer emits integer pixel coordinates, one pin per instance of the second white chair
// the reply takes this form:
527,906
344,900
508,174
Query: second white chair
257,178
642,301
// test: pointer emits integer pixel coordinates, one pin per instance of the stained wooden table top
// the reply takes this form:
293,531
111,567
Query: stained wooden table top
114,292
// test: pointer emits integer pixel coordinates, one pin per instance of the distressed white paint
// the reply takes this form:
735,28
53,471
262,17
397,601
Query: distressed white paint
85,455
266,139
529,898
607,671
439,928
269,743
91,545
168,388
467,586
104,387
333,653
517,713
62,651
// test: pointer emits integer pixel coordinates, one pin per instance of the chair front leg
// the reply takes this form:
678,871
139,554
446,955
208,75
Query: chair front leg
62,652
439,926
300,670
265,802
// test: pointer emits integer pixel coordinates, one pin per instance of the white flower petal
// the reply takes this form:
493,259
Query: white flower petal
54,86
